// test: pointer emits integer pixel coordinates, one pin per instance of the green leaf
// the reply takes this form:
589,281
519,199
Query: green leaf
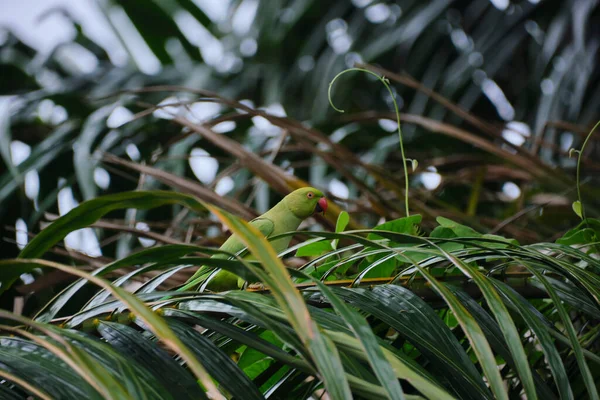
384,265
245,337
425,386
7,392
406,225
508,241
480,345
505,322
32,362
165,369
587,232
494,335
218,364
41,155
449,229
154,321
6,139
112,306
362,331
414,164
418,322
377,266
80,361
578,208
539,326
254,362
92,210
135,379
86,214
342,221
314,249
458,229
83,158
154,254
571,334
340,225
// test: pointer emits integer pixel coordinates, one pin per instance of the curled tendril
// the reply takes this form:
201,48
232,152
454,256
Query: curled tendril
386,83
580,153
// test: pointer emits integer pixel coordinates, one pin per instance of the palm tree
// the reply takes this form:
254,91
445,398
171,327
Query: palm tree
229,108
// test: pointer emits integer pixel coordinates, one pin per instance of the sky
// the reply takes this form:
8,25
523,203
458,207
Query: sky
35,23
42,24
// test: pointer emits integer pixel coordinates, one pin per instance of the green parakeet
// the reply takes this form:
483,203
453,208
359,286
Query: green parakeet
285,216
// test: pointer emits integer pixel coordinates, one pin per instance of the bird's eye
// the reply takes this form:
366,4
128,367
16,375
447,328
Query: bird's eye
310,195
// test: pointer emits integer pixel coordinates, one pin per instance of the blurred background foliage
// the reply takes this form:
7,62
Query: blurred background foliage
493,95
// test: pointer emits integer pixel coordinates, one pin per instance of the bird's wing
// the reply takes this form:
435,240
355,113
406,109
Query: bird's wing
234,244
264,225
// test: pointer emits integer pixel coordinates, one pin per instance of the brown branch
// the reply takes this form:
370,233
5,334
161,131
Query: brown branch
418,285
185,185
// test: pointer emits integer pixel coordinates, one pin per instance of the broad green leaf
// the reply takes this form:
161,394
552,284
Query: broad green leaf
254,362
314,249
459,230
342,221
406,225
260,365
377,266
383,265
588,231
578,208
340,225
509,241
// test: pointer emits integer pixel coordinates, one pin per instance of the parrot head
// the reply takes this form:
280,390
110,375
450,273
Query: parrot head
306,201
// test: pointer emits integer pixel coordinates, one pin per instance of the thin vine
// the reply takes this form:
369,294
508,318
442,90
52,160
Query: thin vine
386,83
578,205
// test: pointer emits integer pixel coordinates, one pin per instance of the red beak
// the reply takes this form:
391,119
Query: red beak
321,205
